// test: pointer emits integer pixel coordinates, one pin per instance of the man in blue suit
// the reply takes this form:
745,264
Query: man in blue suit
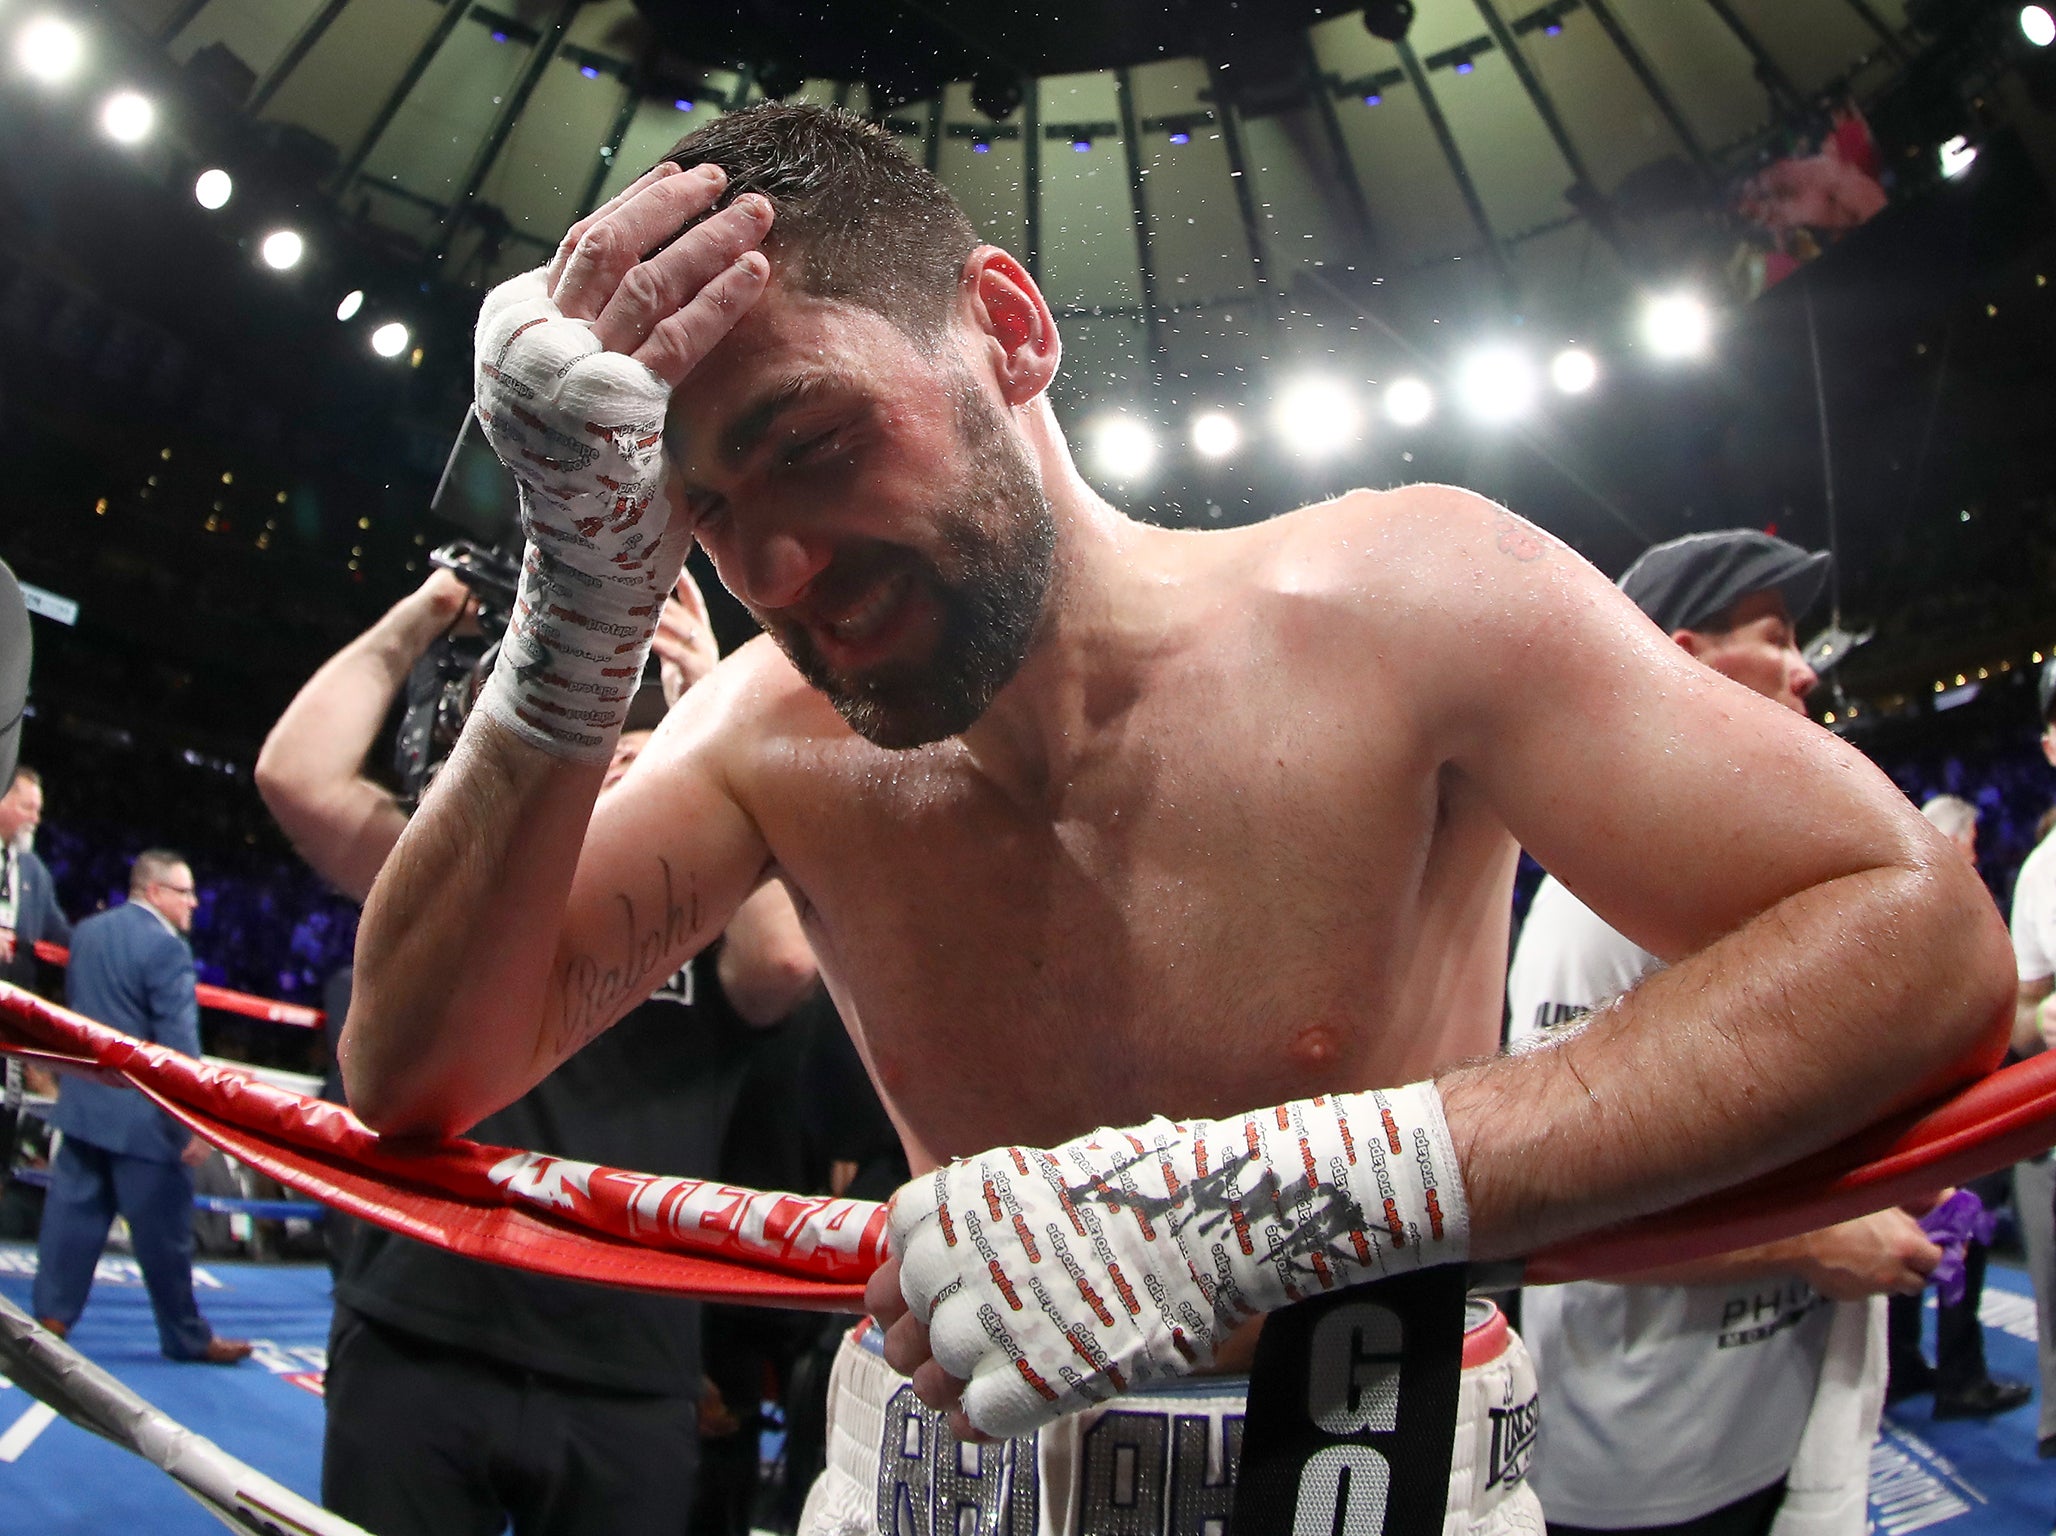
28,902
130,969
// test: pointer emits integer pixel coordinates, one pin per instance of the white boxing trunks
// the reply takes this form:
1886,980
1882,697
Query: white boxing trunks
1160,1462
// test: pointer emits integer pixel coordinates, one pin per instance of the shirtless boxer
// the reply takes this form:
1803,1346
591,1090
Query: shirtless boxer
1092,821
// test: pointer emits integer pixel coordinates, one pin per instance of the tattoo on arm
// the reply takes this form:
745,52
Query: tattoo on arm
597,989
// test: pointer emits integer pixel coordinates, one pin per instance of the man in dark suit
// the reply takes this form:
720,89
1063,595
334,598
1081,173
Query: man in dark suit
130,969
28,900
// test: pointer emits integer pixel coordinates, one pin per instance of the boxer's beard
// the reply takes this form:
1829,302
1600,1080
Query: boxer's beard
998,540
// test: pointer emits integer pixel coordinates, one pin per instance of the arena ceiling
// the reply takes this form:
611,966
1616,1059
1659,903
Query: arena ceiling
1219,199
1157,166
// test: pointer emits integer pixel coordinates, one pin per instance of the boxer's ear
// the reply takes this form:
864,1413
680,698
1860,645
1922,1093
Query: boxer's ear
1018,335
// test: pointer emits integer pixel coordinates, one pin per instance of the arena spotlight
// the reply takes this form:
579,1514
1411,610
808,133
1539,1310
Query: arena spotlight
127,117
390,339
1573,370
1123,449
1388,19
1497,383
1956,156
282,250
213,189
352,302
2037,25
1215,435
1677,325
1317,417
1409,401
50,49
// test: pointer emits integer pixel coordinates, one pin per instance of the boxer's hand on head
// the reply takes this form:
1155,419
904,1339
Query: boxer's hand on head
575,367
684,644
1883,1253
662,297
1034,1282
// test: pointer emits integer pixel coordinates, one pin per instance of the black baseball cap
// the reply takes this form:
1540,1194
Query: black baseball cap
15,646
1683,583
2045,688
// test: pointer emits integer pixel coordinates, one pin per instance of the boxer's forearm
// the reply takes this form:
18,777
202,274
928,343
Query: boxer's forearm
460,937
1839,1004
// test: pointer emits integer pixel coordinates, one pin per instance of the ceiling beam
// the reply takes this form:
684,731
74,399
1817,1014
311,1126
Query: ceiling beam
181,18
1418,77
1145,259
1238,173
1638,66
1768,71
631,97
1338,150
291,59
453,13
1894,45
1031,173
510,113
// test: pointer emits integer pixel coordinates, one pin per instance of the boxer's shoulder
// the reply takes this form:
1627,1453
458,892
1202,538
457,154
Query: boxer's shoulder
756,712
1402,574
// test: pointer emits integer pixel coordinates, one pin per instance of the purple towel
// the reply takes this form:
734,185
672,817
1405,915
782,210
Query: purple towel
1952,1226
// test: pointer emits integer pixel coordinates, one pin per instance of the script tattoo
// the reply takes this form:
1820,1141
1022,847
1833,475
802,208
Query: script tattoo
1212,1200
598,991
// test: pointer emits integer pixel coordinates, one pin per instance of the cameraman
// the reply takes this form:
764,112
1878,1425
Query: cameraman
460,1394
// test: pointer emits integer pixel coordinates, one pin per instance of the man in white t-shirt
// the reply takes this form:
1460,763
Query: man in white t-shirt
2034,1029
1677,1403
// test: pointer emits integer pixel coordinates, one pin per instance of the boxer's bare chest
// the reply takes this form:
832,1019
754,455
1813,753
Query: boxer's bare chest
1244,891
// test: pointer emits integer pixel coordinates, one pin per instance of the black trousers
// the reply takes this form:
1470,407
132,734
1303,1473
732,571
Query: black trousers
1959,1336
1750,1515
426,1440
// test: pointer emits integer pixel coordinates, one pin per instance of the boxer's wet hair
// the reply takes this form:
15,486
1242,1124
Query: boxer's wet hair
857,219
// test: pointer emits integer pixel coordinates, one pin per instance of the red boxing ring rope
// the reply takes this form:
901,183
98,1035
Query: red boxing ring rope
690,1237
272,1012
524,1209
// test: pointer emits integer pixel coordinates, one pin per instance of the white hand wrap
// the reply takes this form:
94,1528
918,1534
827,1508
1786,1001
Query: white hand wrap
1054,1279
583,432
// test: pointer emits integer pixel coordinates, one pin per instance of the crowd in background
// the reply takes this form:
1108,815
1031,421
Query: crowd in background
269,926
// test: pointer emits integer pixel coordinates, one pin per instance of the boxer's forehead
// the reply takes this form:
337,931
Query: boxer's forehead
793,354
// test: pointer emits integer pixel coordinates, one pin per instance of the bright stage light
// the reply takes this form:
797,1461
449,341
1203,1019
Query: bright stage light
2037,25
1215,435
127,117
1123,448
282,249
1317,417
1409,401
213,189
1956,156
1497,383
50,49
1677,325
352,302
1573,371
390,339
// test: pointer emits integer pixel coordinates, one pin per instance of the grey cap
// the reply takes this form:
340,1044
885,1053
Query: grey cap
2045,688
15,646
1683,583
